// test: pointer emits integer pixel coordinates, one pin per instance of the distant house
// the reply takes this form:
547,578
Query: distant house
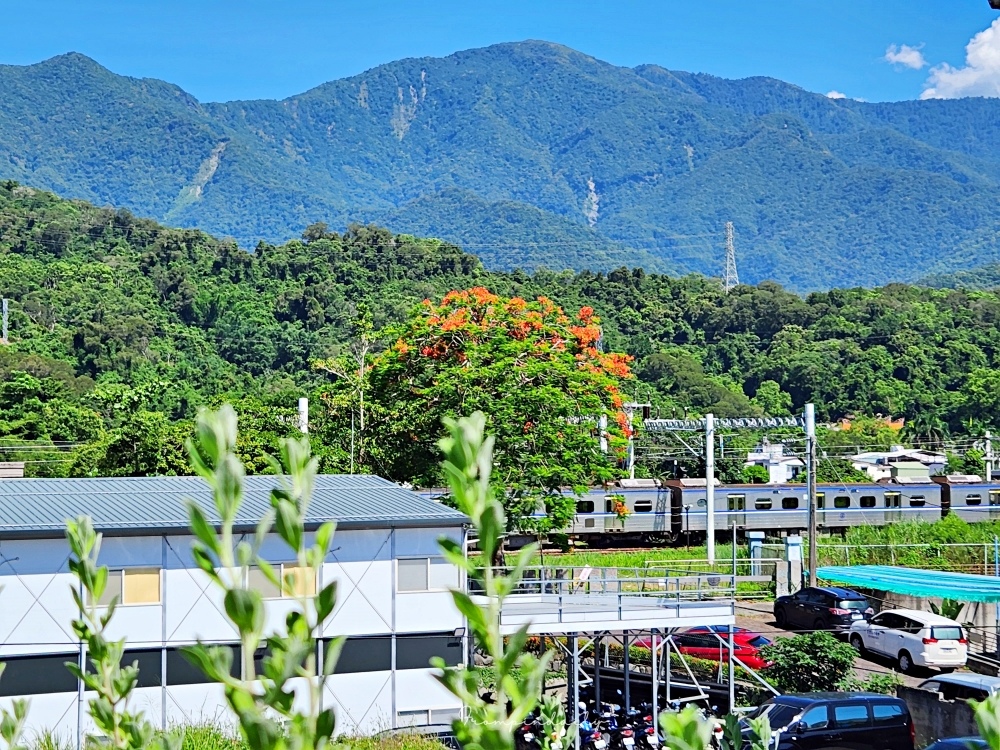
780,468
880,464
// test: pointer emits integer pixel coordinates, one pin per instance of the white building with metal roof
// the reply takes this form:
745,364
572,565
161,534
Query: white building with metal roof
393,599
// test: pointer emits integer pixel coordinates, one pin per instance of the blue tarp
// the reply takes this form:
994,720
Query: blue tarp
963,587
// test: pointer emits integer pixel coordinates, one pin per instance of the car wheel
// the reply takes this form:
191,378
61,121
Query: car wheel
947,670
818,624
858,643
905,662
780,617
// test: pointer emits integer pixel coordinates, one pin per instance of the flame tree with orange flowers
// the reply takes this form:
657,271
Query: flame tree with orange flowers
534,370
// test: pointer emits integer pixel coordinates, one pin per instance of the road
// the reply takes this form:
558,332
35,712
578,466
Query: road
758,616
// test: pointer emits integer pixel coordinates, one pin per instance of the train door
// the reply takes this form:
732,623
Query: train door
737,507
994,504
893,506
821,509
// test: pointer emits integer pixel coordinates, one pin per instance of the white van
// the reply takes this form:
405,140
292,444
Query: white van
913,638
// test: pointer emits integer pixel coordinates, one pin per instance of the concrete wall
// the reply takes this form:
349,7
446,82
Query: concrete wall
934,718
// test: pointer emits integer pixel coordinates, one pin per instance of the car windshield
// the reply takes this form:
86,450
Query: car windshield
946,633
758,641
780,715
859,604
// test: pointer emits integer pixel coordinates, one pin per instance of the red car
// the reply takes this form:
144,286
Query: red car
703,643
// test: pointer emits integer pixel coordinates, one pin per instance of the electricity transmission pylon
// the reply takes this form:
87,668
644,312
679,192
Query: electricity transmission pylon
731,278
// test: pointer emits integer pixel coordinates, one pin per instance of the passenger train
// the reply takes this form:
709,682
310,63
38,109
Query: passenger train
672,510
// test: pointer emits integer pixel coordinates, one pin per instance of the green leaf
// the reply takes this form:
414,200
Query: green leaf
245,608
326,600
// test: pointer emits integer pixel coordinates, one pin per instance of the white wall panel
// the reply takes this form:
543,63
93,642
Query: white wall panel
417,689
426,612
364,597
54,712
199,704
36,610
362,701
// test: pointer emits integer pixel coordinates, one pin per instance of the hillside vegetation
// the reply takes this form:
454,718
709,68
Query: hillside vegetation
534,155
121,328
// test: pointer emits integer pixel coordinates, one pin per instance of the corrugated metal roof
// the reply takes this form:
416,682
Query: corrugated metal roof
40,507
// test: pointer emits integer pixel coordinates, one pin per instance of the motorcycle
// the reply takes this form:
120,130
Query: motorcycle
526,737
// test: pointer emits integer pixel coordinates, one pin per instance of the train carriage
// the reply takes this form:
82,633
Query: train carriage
970,498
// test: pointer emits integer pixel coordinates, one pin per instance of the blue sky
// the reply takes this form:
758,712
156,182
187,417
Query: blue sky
223,49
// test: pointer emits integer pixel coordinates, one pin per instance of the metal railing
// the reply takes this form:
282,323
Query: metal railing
588,580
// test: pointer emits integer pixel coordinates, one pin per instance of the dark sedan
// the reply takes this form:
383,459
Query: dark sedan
825,608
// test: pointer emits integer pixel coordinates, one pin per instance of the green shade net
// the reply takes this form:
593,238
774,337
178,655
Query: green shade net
963,587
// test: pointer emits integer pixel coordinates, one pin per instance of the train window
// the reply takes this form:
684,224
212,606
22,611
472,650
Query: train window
789,503
892,499
584,506
609,506
917,501
643,506
994,497
868,501
973,499
702,502
762,503
842,502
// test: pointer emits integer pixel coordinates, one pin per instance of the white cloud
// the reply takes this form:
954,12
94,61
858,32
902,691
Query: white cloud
980,76
835,95
905,55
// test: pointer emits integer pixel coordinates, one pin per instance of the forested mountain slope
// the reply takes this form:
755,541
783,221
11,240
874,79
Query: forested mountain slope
534,155
121,328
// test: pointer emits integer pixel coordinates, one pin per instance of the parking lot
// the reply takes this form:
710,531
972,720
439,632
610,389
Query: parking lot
758,616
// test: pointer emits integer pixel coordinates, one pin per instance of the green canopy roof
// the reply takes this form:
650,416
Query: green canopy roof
964,587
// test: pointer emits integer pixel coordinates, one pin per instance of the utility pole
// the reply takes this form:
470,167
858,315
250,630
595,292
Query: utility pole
629,408
989,457
810,419
710,487
304,416
3,337
731,278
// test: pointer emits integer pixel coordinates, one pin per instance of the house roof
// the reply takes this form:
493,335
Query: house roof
144,505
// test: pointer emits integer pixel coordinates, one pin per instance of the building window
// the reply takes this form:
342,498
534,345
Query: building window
868,501
643,506
425,574
38,675
365,654
762,503
973,499
415,651
131,586
584,506
841,502
180,671
296,581
789,503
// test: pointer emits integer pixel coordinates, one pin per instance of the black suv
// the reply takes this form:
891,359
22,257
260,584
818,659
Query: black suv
852,721
828,608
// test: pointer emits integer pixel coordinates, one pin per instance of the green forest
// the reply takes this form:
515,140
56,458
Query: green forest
533,155
120,329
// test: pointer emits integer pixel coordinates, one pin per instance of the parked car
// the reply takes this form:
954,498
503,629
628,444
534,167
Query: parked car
812,721
826,608
913,639
962,686
703,643
959,743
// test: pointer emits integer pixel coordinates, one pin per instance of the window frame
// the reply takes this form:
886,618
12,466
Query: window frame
763,502
429,563
119,574
837,504
785,503
867,501
280,569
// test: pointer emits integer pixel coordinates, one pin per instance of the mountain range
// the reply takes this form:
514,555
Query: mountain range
532,154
